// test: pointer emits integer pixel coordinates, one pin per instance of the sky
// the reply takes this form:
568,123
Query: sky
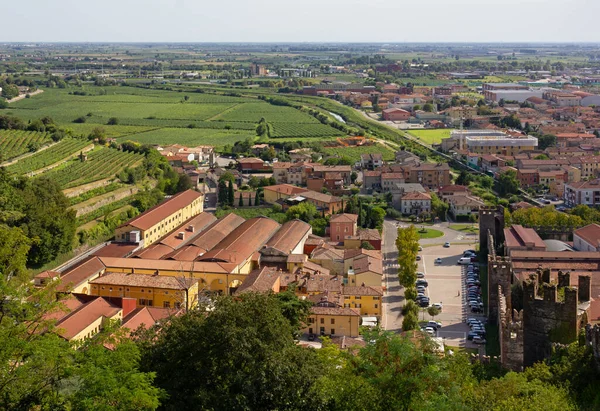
279,21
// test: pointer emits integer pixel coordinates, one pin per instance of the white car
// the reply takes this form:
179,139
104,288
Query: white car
438,260
430,330
439,306
434,324
446,244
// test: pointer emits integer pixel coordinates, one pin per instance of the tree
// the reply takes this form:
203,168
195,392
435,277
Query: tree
3,104
353,177
365,245
241,202
508,183
184,182
304,211
546,140
246,344
230,193
433,311
222,193
410,321
113,121
439,208
407,244
428,107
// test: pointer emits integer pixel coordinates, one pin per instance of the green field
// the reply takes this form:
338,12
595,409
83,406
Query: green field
13,143
164,117
431,136
355,152
190,137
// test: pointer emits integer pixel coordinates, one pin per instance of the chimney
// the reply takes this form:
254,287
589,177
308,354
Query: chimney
181,235
191,228
585,288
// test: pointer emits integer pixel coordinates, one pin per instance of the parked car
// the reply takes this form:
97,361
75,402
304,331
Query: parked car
420,248
446,244
434,324
424,302
479,340
464,261
311,337
438,260
422,282
418,258
421,288
471,335
439,306
420,274
430,330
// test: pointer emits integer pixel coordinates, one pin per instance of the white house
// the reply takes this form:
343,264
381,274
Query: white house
587,238
415,203
464,205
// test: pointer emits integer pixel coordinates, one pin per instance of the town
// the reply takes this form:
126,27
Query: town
351,212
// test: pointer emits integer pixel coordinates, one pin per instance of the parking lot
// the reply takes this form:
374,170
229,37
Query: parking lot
446,285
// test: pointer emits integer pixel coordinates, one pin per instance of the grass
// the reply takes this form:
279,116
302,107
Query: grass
467,228
431,136
355,152
189,137
429,233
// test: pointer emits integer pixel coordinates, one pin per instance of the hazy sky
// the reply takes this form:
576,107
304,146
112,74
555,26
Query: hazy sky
303,20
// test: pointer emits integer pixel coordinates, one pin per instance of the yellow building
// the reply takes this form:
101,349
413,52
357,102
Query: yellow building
504,145
365,270
157,222
280,192
327,318
367,300
148,290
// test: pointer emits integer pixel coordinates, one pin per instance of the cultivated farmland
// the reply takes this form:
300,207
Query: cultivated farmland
304,130
13,143
354,152
100,164
50,156
431,136
190,137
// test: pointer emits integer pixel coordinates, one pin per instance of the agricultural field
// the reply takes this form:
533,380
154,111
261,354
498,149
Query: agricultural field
304,130
100,164
14,143
355,152
431,136
155,116
52,155
190,137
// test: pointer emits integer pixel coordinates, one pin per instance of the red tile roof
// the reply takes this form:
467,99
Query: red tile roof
519,236
156,214
343,218
84,316
590,234
146,280
81,273
261,280
289,236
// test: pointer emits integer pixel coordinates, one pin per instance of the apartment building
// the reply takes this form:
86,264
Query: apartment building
155,223
584,192
429,175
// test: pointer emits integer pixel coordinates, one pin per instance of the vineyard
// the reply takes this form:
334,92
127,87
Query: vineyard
52,155
190,137
101,164
13,143
253,112
304,130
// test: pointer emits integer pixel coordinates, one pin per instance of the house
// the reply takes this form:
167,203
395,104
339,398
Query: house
327,318
341,226
329,258
584,192
159,220
453,190
367,300
371,161
415,203
404,157
399,190
280,192
587,238
288,240
261,280
325,203
148,290
365,270
429,175
464,206
391,180
395,114
251,164
372,180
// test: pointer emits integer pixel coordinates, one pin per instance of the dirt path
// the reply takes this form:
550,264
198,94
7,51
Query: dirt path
22,156
22,96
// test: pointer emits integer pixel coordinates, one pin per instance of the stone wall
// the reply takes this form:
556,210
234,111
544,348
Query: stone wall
592,339
499,274
510,333
547,319
491,219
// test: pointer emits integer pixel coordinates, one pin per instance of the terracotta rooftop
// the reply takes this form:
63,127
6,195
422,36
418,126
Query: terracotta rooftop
243,242
79,319
367,263
116,250
453,189
261,280
250,160
297,258
590,234
415,195
191,229
519,236
146,280
334,311
154,252
286,189
156,214
287,238
168,265
343,218
82,272
364,290
369,234
320,197
354,253
322,253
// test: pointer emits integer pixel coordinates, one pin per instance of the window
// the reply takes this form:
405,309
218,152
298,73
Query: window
322,320
178,305
375,298
333,321
166,304
376,306
357,305
311,320
332,331
357,297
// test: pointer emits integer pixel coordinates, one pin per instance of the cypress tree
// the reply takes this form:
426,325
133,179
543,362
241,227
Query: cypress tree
241,200
230,194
